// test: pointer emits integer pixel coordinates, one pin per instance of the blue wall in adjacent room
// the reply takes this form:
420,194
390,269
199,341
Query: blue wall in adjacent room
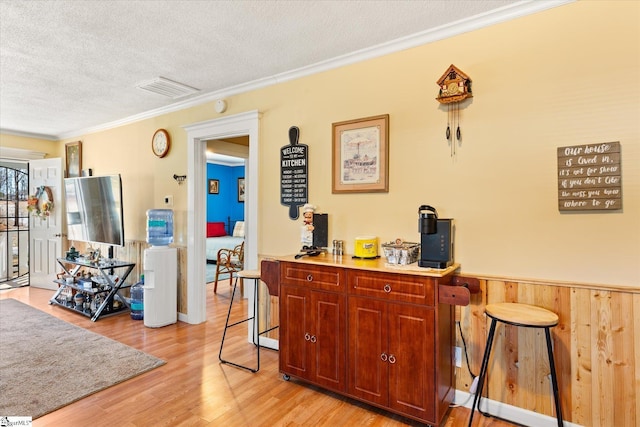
225,204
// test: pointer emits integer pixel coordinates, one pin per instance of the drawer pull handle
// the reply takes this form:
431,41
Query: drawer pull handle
307,337
310,278
387,288
383,357
313,338
392,359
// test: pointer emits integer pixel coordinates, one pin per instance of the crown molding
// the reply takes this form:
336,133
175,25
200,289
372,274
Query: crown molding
20,154
506,13
29,134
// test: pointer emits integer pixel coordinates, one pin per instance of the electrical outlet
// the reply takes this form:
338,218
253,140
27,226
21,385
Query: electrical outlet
458,357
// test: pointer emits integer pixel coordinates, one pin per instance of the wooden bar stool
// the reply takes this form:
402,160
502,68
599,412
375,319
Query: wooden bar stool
255,276
527,316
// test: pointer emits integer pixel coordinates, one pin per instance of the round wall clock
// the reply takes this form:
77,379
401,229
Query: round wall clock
160,143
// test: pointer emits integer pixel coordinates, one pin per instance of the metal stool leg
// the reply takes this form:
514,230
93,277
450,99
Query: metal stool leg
554,379
483,373
227,326
483,370
226,323
256,320
255,334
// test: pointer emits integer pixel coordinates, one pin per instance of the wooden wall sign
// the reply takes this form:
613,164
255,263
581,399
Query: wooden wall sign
294,173
589,177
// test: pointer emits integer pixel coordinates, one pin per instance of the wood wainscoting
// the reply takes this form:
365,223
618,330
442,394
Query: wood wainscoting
596,351
596,344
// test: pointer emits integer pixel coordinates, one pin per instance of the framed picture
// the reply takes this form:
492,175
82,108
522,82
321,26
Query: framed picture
361,155
73,151
214,186
241,190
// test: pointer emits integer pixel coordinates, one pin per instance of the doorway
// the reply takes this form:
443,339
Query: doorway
198,134
14,225
225,202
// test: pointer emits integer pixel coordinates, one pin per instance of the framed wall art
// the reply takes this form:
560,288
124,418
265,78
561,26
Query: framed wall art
360,155
214,186
73,159
241,190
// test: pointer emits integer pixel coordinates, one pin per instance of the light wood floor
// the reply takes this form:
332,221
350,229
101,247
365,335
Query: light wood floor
194,389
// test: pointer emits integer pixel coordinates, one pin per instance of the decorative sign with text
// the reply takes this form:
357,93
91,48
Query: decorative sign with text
293,173
589,177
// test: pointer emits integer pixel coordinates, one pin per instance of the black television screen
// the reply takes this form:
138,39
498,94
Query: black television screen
94,209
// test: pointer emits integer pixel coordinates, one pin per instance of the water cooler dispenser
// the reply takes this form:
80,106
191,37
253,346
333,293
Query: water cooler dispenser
160,271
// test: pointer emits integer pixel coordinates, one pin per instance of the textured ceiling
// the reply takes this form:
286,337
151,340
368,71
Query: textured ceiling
68,67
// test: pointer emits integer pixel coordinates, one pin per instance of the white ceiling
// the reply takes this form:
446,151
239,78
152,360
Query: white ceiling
72,67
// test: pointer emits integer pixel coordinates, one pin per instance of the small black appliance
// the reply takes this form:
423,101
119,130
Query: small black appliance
436,239
320,230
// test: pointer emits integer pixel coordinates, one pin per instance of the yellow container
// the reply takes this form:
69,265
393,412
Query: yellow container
366,247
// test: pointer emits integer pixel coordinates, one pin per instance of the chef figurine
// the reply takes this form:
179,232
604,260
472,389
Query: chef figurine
306,231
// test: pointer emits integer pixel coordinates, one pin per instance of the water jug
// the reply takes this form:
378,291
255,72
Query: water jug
159,227
137,300
428,219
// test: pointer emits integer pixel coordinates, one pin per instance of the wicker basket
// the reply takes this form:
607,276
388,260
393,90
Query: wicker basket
401,254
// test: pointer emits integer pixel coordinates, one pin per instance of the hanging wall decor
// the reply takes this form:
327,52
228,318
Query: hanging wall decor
590,177
294,173
73,151
455,87
41,204
361,155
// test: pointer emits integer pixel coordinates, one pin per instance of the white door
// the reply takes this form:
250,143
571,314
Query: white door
45,232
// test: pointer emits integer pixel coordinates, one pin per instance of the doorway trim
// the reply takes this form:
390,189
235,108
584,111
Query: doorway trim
197,136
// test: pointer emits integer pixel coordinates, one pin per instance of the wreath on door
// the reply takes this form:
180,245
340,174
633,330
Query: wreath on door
41,204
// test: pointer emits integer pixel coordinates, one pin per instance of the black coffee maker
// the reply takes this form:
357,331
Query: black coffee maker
436,239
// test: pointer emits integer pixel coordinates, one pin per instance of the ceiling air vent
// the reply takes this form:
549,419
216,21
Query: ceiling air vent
167,87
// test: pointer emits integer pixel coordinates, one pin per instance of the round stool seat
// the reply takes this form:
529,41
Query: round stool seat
249,274
522,314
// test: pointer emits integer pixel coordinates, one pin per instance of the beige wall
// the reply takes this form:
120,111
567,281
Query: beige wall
51,148
562,77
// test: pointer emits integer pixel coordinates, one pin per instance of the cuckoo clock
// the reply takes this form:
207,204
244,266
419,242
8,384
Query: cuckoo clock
455,87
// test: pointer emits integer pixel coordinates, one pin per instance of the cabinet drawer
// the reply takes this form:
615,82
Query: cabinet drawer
397,287
312,276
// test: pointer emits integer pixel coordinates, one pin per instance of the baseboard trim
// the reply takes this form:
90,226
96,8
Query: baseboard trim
270,343
509,412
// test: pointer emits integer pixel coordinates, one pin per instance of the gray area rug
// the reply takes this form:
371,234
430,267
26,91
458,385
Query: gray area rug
47,363
211,274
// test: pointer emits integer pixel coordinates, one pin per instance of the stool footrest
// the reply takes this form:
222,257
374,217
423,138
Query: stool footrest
240,321
269,330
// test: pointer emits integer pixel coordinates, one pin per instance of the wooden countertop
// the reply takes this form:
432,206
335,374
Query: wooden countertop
378,264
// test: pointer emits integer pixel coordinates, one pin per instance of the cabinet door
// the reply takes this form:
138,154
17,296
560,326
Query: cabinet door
328,340
412,360
368,372
295,310
312,336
